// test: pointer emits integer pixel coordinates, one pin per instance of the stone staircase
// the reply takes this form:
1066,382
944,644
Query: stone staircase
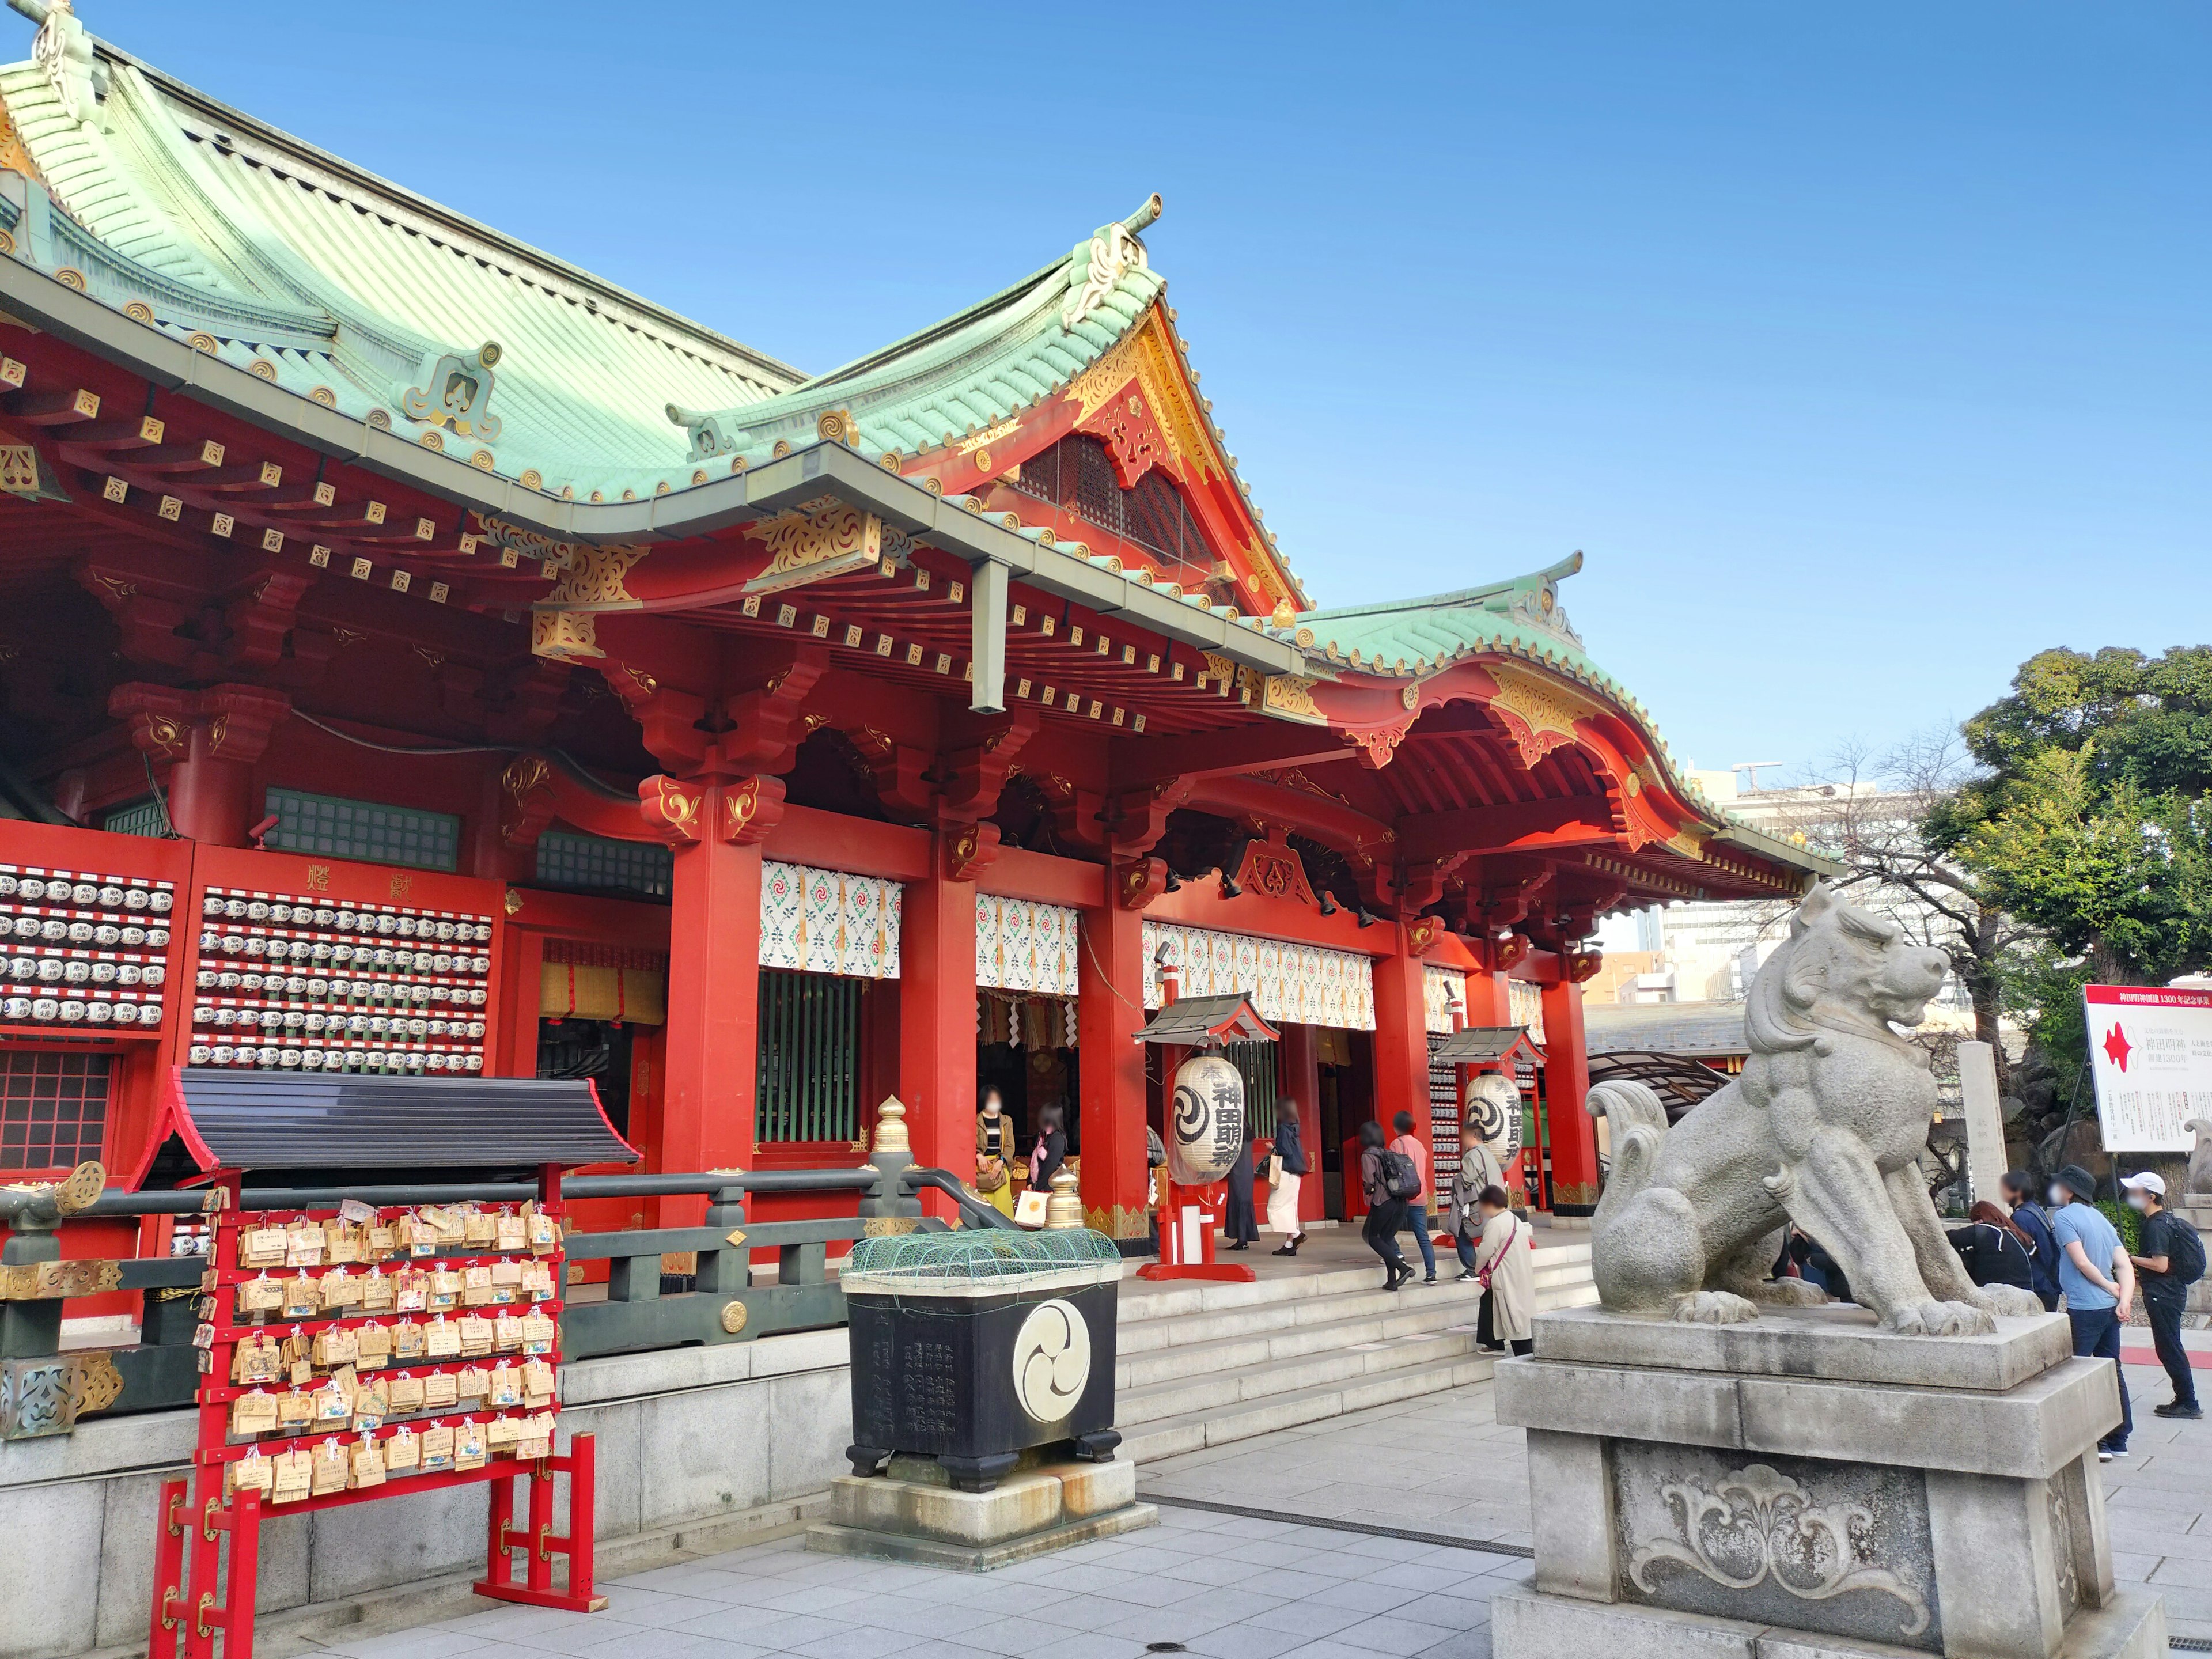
1203,1364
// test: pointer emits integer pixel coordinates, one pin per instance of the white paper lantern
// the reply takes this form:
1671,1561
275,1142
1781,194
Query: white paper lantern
1207,1127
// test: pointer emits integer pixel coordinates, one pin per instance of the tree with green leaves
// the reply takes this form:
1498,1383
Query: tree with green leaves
2090,822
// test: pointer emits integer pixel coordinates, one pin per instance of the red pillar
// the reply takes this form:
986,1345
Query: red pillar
937,1009
1567,1122
1488,1002
1109,1012
713,1001
1301,1076
212,739
1402,1047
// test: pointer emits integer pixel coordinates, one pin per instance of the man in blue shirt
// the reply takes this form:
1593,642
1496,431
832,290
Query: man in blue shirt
2027,1215
2099,1282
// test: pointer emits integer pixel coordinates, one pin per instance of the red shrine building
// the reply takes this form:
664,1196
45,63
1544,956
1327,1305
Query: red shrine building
421,655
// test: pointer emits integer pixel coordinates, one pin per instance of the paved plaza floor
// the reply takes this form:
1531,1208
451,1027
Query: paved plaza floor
1289,1574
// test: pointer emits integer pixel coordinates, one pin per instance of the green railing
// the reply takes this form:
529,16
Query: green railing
644,1308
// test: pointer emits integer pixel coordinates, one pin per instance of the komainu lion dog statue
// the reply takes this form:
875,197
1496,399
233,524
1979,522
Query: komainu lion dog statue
1824,1130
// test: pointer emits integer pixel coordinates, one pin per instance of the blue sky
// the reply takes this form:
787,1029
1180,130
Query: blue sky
1863,350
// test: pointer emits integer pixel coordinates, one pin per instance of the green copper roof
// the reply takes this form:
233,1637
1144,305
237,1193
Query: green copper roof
348,289
964,374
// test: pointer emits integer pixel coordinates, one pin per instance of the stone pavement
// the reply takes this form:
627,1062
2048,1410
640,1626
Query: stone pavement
1235,1586
1221,1586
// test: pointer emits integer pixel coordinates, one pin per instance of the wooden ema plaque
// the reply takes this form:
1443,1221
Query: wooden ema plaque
348,1354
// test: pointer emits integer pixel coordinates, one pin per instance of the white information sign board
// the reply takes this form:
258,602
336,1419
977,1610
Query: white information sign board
2150,1053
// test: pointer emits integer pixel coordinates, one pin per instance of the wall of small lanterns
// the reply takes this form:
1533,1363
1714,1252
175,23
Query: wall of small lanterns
296,983
84,951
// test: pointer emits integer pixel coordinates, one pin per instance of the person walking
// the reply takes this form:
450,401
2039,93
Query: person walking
2019,1195
2172,1258
1238,1222
1995,1251
1409,1146
2099,1285
995,1144
1386,1214
1291,1167
1503,1264
1463,1216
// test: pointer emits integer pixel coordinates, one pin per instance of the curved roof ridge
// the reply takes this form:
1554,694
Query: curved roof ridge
233,129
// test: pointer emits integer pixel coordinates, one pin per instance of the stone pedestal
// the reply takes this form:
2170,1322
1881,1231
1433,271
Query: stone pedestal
1808,1485
2197,1212
912,1512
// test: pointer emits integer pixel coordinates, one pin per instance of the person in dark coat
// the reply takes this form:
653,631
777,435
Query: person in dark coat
2031,1218
1386,1216
1995,1252
1816,1266
1051,1150
1240,1224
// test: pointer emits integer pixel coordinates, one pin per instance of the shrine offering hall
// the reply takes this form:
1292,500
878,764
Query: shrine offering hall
422,656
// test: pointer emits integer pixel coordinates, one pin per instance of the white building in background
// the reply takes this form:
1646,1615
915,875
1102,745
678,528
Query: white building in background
1711,952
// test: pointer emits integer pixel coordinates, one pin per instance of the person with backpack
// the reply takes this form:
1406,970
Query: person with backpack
1508,1272
1993,1250
2099,1282
1409,1146
1384,1176
2172,1260
2019,1193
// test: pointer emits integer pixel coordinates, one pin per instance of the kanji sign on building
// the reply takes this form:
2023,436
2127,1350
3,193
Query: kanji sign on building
2150,1051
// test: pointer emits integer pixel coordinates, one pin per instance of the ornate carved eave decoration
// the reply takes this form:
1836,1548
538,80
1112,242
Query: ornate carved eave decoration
1097,267
564,626
1538,716
1142,368
815,541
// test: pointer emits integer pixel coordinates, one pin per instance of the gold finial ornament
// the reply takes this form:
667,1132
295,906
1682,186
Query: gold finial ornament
891,1126
1064,1209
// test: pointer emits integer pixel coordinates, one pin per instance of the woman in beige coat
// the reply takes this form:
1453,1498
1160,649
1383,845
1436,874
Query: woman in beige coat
1502,1262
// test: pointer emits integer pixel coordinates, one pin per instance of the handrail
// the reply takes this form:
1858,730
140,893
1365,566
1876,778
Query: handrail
972,1208
117,1202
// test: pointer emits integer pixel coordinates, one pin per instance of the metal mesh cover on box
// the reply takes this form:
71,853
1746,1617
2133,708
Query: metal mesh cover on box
979,1263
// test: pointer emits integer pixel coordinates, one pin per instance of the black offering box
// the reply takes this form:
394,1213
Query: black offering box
972,1347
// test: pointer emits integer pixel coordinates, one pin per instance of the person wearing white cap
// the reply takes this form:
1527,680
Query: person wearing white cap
2172,1256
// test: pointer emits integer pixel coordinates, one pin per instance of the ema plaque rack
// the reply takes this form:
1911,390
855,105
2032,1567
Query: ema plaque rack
351,1349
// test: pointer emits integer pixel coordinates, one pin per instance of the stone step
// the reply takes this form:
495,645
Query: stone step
1268,1319
1199,1313
1171,1437
1337,1322
1234,1387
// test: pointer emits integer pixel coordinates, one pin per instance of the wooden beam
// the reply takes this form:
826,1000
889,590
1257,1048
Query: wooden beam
1578,821
1139,762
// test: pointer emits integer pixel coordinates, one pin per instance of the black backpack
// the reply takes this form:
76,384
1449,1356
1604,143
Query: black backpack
1400,1178
2184,1254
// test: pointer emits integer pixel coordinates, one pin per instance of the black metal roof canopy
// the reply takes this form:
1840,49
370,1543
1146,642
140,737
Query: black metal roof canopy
1486,1045
1679,1081
1206,1022
302,1126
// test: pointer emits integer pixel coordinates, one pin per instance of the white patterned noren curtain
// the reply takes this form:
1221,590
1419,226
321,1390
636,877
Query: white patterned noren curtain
1302,984
1440,988
824,921
1527,1003
1022,945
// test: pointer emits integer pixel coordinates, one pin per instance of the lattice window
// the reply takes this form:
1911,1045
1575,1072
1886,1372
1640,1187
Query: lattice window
605,864
809,1071
362,829
1255,1063
141,817
53,1107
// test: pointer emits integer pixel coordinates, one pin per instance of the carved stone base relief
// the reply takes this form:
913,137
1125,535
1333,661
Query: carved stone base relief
1835,1547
